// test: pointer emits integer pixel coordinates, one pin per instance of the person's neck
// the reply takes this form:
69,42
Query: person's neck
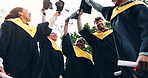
24,21
52,39
79,47
102,30
123,2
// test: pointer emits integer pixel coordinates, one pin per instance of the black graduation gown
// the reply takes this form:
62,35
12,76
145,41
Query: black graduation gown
52,59
130,29
76,67
19,50
104,54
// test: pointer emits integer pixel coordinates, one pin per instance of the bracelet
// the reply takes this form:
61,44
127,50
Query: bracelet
44,14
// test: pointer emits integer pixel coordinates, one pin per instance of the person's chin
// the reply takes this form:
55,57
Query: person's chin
54,39
101,28
114,2
29,20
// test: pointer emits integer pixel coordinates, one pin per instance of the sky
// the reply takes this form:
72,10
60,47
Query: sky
35,6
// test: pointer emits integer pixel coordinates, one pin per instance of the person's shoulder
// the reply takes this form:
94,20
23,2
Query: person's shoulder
140,7
44,24
7,23
109,7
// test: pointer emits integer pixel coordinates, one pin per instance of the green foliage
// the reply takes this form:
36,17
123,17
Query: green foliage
108,25
74,36
145,1
92,30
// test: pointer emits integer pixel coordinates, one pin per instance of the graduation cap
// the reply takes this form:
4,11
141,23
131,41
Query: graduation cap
86,8
47,4
60,5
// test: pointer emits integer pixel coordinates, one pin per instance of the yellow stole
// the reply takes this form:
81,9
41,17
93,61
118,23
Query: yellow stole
31,30
81,53
102,35
54,45
118,10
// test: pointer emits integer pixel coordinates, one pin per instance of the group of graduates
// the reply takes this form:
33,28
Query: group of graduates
31,52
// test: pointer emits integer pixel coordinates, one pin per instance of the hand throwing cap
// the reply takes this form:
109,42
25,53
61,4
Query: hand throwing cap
86,8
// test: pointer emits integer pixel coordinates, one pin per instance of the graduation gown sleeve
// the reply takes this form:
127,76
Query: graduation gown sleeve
67,47
142,19
89,37
43,30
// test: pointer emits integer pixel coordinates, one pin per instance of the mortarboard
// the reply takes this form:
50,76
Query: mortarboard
47,4
60,5
86,8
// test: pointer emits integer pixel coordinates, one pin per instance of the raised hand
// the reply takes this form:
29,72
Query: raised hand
43,10
58,13
81,12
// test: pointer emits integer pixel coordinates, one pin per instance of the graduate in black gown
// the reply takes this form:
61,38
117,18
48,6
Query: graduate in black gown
52,57
18,44
79,63
51,54
102,43
129,22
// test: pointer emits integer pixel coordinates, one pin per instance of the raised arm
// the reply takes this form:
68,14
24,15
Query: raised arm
143,55
95,5
52,19
67,46
66,27
44,15
79,24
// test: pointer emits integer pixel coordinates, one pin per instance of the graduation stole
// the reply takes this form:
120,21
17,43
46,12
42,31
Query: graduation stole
55,46
31,30
81,53
102,35
117,10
